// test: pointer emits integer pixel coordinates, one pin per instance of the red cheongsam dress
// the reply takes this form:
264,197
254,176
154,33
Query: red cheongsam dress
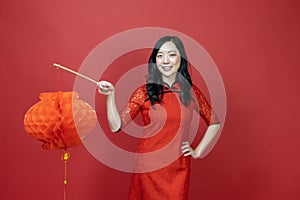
162,172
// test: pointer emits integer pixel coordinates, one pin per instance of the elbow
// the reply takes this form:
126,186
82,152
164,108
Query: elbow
116,129
216,125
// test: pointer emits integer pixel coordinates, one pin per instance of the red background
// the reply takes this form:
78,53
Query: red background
255,45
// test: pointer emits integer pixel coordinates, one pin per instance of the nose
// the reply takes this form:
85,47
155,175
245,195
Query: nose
166,59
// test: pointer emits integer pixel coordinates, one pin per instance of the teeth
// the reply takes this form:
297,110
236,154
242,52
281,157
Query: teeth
167,68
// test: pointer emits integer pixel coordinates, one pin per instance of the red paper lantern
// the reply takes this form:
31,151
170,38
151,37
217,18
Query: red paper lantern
52,120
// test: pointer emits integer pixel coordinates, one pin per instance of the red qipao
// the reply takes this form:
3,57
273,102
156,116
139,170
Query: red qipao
162,172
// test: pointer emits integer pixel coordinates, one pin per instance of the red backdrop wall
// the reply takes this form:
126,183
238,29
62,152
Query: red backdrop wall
255,45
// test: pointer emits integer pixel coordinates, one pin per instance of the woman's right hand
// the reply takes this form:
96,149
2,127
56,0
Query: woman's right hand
105,87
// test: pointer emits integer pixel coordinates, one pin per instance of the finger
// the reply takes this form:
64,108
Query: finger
103,90
185,146
187,154
110,88
106,86
103,83
186,150
103,86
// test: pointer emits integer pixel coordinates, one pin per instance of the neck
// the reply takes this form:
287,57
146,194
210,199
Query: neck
169,80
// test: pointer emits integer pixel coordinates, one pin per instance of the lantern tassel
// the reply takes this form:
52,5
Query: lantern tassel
65,157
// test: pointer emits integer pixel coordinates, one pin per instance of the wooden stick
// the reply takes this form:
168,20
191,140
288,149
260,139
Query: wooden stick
76,73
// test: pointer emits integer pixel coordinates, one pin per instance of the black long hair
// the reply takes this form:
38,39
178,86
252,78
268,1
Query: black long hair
154,84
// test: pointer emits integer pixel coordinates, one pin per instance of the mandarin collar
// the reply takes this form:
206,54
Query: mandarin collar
174,87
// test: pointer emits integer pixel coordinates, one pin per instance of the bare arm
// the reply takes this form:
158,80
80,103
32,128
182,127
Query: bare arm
212,133
206,144
114,120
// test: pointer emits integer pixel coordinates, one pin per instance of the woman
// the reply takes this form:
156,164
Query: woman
166,103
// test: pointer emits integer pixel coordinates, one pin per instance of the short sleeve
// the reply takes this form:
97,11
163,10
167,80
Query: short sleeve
203,107
134,105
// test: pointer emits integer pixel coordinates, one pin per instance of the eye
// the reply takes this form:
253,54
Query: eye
172,54
159,56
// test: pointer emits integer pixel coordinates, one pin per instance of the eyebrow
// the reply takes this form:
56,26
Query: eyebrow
168,51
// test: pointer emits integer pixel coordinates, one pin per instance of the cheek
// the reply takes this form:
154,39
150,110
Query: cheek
158,61
176,60
177,63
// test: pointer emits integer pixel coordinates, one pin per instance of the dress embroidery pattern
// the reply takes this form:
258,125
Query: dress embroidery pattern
166,126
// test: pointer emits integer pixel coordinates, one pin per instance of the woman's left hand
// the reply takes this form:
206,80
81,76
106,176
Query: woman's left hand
188,151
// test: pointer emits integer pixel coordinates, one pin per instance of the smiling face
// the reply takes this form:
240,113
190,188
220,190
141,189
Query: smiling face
168,61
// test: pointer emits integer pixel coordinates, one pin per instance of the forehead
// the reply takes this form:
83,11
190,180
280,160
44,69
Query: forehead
168,46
